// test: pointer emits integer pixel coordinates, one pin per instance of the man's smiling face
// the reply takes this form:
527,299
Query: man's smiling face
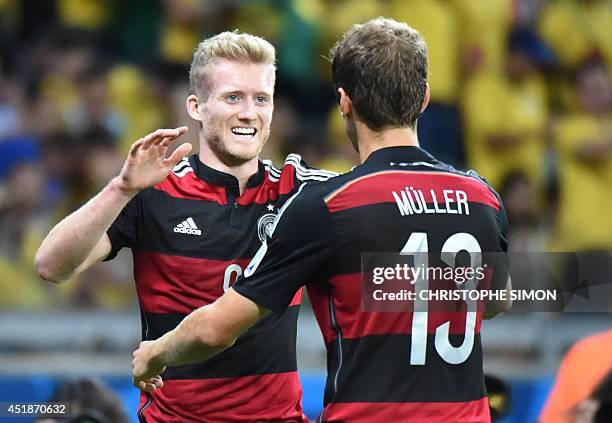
237,113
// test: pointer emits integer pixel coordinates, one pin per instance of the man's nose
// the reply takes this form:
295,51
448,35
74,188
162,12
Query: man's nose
247,110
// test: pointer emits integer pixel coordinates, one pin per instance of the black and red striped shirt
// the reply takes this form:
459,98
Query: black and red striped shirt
191,236
422,366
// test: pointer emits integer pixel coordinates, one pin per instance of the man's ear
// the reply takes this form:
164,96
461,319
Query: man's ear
345,105
426,98
193,109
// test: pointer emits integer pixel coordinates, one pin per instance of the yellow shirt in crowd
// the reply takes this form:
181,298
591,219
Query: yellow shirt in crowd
585,199
87,14
590,26
437,23
495,106
484,25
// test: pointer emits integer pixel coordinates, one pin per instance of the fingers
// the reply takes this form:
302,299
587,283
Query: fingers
178,154
167,140
160,135
146,386
182,130
157,381
149,385
142,369
135,147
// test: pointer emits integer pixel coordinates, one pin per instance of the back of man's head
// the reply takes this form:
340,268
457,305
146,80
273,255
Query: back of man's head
236,46
382,66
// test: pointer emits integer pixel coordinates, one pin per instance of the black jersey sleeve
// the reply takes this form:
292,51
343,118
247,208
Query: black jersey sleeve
305,173
122,232
298,252
502,261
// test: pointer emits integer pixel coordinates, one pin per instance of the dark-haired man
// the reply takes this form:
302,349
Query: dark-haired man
422,366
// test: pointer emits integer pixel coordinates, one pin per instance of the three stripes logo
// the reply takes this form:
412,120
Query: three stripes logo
182,168
187,226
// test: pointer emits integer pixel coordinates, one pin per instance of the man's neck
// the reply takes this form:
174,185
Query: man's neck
369,141
242,171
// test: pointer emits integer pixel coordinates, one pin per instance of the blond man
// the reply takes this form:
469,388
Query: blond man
193,224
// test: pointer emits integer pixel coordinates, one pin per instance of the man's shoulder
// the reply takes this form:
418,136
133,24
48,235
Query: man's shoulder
481,179
183,183
316,191
470,174
295,166
181,174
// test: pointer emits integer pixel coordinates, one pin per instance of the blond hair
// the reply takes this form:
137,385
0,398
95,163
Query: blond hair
234,45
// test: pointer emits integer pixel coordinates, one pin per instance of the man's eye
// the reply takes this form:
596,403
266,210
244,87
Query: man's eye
232,98
262,99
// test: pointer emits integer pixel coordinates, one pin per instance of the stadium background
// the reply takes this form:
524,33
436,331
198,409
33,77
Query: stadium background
521,92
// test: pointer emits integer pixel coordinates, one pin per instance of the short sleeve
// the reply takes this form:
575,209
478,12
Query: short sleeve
503,228
123,231
304,173
501,261
298,252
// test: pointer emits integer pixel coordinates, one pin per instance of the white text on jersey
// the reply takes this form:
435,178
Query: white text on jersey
412,201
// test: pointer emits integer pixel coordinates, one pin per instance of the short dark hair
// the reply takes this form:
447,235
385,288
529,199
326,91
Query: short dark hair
382,66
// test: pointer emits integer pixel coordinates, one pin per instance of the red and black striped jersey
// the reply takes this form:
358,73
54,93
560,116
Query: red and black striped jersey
191,236
420,365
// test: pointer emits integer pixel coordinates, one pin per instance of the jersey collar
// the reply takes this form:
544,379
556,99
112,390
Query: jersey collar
216,177
404,153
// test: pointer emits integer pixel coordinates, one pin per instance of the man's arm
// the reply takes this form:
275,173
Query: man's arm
493,308
80,240
205,332
501,268
297,252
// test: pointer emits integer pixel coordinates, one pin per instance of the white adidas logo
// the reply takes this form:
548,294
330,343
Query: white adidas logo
187,226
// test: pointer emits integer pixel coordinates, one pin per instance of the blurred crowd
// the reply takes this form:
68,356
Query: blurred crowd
521,92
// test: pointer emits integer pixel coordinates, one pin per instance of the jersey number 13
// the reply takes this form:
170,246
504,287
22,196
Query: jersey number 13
417,246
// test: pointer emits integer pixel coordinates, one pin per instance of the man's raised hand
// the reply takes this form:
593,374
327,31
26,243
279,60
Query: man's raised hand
146,164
